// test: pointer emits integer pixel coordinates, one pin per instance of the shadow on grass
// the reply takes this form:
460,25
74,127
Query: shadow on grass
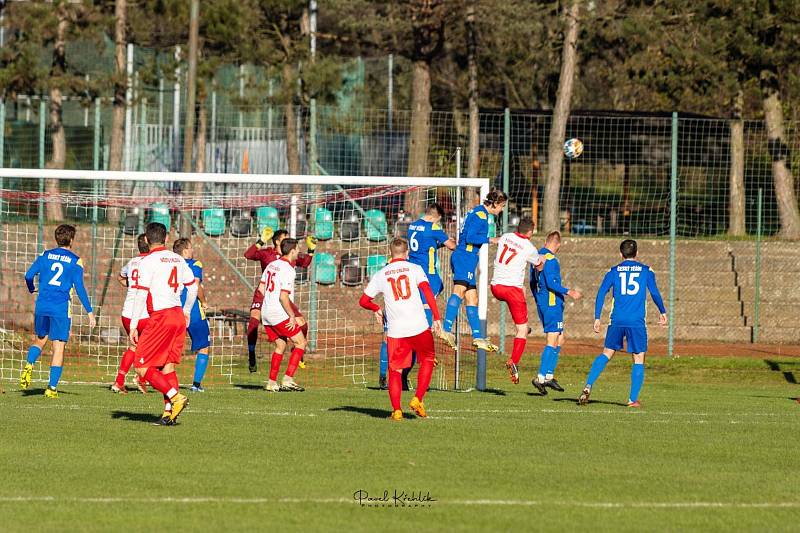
135,417
776,367
40,392
368,411
248,386
601,402
496,392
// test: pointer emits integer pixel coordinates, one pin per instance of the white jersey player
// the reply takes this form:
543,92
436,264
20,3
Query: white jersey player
401,282
515,252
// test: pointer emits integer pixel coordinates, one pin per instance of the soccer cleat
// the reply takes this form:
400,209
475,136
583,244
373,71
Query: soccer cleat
272,386
165,420
634,404
141,384
513,371
485,345
416,405
179,403
583,399
117,389
539,386
50,392
449,338
197,389
301,364
290,385
382,383
25,377
397,415
553,384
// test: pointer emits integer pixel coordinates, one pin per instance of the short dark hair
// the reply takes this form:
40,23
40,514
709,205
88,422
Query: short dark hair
525,225
277,236
180,245
553,236
628,248
435,208
141,243
156,233
64,234
287,245
495,196
398,246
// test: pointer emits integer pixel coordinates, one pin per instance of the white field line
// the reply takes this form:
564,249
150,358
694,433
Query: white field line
443,502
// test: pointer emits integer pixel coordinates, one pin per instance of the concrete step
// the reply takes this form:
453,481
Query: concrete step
772,295
657,263
773,334
768,264
783,321
772,311
689,279
771,278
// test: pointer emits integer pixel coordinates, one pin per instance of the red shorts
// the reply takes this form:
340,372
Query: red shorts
515,298
400,350
126,323
281,331
258,299
162,341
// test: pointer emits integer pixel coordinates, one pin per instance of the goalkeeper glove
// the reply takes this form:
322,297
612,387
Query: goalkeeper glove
311,244
266,235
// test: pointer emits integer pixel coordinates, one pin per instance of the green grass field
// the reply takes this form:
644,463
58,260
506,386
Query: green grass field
714,448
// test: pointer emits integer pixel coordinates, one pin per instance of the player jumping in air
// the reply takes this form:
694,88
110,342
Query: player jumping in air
514,253
401,283
129,277
162,276
198,329
60,272
265,255
464,261
280,316
425,237
549,293
629,281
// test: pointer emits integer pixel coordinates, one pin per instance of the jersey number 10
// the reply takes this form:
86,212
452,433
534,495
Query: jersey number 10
628,284
401,288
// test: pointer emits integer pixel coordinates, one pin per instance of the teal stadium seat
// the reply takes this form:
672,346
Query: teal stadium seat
160,213
374,264
375,225
324,268
323,229
214,222
267,217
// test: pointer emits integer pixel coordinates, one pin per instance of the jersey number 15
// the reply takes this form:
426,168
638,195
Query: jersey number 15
628,284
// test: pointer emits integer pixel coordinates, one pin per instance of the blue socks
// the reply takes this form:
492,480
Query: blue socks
451,312
429,316
384,359
200,366
474,321
251,349
548,355
598,366
33,354
55,376
637,380
552,363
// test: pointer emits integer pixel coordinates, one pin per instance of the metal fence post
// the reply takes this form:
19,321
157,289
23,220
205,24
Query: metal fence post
96,195
312,277
673,222
42,127
506,175
457,329
483,297
2,165
757,298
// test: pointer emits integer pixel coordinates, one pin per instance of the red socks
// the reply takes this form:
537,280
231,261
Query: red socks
294,360
159,381
396,388
275,365
423,378
519,347
124,366
252,331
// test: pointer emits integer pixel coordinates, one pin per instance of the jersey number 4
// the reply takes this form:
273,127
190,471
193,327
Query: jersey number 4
628,284
511,255
173,279
401,287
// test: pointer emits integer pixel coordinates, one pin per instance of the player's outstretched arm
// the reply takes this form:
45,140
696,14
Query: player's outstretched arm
655,294
599,300
551,274
32,272
367,303
80,288
450,244
286,303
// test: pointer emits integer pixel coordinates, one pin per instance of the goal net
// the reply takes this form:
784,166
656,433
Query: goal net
353,219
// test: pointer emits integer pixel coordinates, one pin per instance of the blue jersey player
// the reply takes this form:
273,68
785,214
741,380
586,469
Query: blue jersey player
60,274
630,281
549,293
198,329
464,260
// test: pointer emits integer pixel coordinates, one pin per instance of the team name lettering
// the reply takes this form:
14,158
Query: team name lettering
396,271
59,257
629,268
171,260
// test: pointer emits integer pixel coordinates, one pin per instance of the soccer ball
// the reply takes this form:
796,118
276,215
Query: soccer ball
573,148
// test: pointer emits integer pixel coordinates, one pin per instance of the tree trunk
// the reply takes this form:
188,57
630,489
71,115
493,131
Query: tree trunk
292,147
55,210
473,166
202,130
779,151
736,213
555,161
118,116
420,128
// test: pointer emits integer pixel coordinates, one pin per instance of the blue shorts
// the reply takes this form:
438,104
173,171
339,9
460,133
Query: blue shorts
464,265
57,328
200,335
552,319
436,286
636,337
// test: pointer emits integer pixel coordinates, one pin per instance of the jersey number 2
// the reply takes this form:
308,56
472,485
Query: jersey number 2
173,279
510,256
58,268
401,288
628,283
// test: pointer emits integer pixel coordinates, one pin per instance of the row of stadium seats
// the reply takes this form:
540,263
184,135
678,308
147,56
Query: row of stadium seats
351,272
